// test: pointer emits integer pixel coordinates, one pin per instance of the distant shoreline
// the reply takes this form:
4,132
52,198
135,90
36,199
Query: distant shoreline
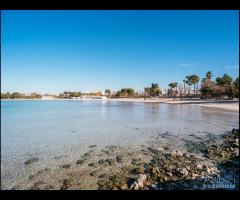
221,104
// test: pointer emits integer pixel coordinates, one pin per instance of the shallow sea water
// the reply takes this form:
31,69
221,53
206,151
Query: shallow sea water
47,129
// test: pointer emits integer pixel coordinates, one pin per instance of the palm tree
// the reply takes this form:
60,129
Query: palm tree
184,83
172,86
209,75
154,90
175,86
189,83
194,80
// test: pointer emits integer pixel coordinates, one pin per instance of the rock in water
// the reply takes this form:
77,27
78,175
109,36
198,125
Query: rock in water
66,166
31,160
92,146
79,162
138,170
119,159
66,184
139,183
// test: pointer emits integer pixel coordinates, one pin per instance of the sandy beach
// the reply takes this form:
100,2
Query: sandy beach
227,106
222,104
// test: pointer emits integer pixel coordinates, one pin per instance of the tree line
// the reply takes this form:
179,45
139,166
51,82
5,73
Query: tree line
223,86
17,95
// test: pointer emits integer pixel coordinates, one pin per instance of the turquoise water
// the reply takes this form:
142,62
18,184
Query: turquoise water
49,128
32,125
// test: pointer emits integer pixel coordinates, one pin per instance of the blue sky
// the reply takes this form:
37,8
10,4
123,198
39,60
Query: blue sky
55,51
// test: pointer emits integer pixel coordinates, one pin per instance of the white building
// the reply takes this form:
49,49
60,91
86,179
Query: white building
76,97
99,97
47,97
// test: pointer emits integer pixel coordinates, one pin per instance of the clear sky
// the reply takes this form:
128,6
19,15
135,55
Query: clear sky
55,51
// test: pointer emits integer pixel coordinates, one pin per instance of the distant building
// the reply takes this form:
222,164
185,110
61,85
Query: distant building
48,97
76,97
99,97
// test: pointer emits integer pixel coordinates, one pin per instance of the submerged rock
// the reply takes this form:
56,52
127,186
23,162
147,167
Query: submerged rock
110,161
66,184
92,164
49,187
138,170
79,162
136,161
16,187
31,177
102,176
31,160
119,159
94,173
114,178
66,166
36,185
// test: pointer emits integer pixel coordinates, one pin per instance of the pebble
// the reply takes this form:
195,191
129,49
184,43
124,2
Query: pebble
198,166
169,174
139,183
124,187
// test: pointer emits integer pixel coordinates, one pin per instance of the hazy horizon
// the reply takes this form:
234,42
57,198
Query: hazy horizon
56,51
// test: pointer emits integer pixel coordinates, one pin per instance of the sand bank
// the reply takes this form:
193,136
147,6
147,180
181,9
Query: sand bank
228,106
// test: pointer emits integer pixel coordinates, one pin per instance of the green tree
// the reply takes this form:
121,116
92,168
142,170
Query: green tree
206,88
75,94
154,90
184,85
108,92
224,80
189,83
15,95
236,87
236,83
209,75
171,91
194,79
125,92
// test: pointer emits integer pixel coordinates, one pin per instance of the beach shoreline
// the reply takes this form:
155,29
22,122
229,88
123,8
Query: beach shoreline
220,104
